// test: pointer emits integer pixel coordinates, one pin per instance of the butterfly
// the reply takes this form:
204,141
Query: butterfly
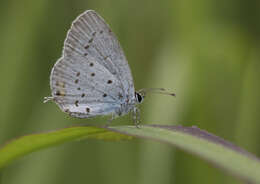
92,78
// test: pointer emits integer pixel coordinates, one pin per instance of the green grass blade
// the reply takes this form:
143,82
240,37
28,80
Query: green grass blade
21,146
216,150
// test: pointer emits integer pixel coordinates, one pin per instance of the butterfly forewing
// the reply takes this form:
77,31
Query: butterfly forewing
91,36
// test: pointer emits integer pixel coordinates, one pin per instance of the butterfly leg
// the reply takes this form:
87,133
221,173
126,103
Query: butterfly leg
110,119
136,117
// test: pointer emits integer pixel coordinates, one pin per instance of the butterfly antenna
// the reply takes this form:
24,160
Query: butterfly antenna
156,90
46,99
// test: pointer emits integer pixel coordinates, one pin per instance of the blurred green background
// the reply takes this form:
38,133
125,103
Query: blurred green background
206,51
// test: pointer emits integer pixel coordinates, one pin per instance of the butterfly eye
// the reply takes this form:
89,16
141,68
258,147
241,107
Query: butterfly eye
138,97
